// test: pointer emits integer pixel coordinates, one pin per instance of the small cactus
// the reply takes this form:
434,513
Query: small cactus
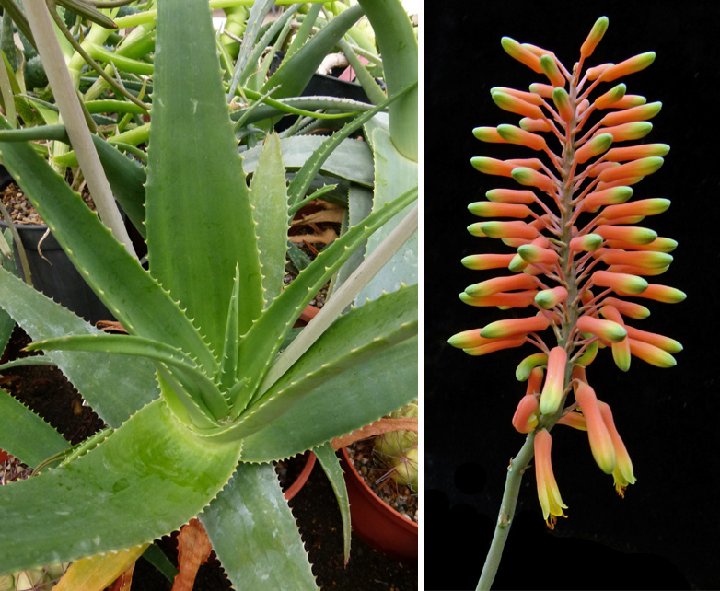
399,449
37,579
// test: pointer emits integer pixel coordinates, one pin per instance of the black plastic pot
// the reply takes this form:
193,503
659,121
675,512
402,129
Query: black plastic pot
53,274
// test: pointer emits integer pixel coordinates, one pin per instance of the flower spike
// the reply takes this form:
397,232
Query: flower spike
573,247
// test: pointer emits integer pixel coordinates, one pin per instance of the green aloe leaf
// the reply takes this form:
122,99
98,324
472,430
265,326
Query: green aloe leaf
359,355
350,160
338,401
259,346
268,195
145,480
95,375
127,181
254,534
399,50
115,276
393,173
294,73
196,190
299,185
331,466
34,441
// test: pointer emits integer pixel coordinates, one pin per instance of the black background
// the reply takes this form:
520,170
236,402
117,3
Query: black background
664,534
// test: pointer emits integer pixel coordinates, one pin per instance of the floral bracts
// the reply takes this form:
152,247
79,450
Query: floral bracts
575,250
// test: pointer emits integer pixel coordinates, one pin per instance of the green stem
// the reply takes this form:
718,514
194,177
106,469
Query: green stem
515,472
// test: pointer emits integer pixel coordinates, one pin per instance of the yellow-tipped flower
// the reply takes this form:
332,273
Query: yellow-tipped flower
551,502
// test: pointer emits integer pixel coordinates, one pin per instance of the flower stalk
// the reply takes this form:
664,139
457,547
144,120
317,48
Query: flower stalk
576,252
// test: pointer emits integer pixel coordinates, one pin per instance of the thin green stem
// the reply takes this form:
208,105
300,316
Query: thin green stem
515,472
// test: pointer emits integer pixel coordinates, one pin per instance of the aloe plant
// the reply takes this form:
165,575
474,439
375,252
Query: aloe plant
200,397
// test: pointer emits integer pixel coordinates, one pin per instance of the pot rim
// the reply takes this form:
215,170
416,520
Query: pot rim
395,515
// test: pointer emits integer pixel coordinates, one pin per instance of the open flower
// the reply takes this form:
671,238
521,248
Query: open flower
551,502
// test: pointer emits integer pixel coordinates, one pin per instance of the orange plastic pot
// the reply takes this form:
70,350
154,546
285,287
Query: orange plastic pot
302,478
376,522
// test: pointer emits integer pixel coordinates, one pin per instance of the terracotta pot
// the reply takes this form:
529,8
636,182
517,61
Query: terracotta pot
302,479
376,522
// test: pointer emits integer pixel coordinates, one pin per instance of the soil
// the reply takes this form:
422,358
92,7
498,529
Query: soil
378,475
22,211
45,390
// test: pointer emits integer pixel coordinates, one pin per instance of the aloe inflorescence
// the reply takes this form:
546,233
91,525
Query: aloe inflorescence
576,253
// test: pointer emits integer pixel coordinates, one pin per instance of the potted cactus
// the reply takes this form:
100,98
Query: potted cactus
381,472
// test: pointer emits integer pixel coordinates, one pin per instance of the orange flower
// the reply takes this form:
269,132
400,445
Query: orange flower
576,249
551,502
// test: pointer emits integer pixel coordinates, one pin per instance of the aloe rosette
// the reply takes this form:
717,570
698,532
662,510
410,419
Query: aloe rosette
576,252
204,392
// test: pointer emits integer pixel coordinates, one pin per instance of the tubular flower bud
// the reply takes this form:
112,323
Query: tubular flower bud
520,137
526,416
500,284
634,152
535,381
562,102
579,249
628,101
520,299
527,365
511,196
536,125
638,258
593,201
629,66
641,167
503,230
601,444
594,37
521,54
628,309
622,356
551,502
651,354
533,178
517,264
632,234
492,166
510,327
642,207
624,283
534,254
623,472
500,210
596,146
549,298
550,69
529,97
542,90
495,345
605,329
589,242
664,293
639,113
513,104
554,388
481,262
627,131
662,342
488,135
589,355
611,96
